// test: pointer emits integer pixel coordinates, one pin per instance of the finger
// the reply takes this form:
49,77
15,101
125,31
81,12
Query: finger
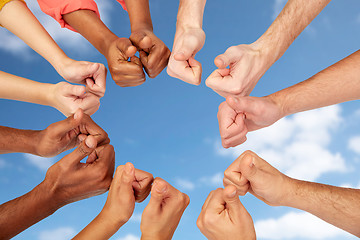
63,128
185,50
233,204
83,150
227,118
89,127
69,90
158,193
97,83
236,140
141,40
157,60
126,47
216,203
216,78
225,59
142,184
207,200
188,71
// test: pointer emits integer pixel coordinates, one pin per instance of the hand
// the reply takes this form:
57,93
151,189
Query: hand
154,54
239,115
250,173
223,217
129,184
66,134
125,73
71,180
247,64
68,98
162,215
93,75
182,63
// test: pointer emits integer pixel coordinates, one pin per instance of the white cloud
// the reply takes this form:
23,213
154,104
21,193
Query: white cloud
129,237
277,7
354,144
297,225
40,162
297,145
216,180
136,217
62,233
184,184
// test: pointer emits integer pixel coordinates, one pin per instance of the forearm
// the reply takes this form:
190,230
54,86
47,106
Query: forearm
337,83
100,228
17,140
22,89
90,26
335,205
292,20
139,14
17,18
22,212
190,14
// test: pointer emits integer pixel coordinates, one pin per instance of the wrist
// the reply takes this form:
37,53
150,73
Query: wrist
111,219
46,192
279,102
142,27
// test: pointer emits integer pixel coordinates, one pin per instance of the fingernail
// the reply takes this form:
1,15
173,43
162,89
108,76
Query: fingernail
89,143
76,115
128,168
160,188
231,195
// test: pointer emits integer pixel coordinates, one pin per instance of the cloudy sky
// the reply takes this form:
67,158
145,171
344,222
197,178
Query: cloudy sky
170,129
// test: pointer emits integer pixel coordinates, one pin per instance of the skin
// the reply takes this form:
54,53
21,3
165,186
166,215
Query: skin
17,18
55,139
248,63
63,96
223,217
162,215
126,69
335,205
335,84
189,39
128,186
67,181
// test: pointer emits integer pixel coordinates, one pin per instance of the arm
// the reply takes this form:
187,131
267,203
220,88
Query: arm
17,18
335,84
66,181
63,96
189,39
116,50
335,205
129,185
224,217
162,215
55,139
248,63
154,54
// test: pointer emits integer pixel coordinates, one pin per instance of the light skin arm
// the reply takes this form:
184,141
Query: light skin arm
154,54
189,39
335,205
335,84
17,18
128,186
248,63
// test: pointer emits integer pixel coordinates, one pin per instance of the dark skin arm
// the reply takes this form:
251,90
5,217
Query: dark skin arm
67,181
116,50
154,54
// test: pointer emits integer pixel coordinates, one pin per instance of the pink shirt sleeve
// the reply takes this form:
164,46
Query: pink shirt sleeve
57,8
122,3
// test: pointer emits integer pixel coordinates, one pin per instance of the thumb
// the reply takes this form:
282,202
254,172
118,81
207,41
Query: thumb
240,104
128,177
232,200
60,129
141,40
126,47
84,149
225,59
185,51
247,166
158,192
69,90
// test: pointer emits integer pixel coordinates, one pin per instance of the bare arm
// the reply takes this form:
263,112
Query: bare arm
248,63
189,39
335,205
17,140
337,83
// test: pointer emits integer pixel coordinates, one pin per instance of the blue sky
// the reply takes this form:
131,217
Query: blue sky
169,128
